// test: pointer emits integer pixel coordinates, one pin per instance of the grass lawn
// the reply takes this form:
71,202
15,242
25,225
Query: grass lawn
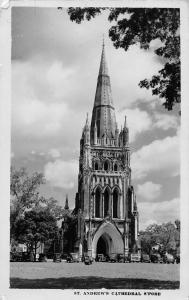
98,275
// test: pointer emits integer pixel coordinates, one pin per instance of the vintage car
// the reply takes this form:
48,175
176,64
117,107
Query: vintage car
145,258
26,256
57,257
102,258
134,257
64,256
21,256
88,260
42,257
168,258
113,257
156,258
121,258
72,258
15,256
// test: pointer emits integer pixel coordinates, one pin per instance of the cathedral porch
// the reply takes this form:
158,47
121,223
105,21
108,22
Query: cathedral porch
107,240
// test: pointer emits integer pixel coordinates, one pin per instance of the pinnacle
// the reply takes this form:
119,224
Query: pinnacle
66,203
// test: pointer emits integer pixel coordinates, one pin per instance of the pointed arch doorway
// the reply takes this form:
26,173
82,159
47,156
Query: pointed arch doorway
104,245
107,239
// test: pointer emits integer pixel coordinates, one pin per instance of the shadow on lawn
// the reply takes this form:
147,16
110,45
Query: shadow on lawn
92,282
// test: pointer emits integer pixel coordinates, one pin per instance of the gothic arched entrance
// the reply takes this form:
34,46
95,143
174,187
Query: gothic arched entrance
103,245
107,240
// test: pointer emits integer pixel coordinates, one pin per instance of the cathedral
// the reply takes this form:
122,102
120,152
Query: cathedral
105,204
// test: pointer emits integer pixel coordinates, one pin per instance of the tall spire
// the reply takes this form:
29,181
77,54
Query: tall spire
103,64
103,109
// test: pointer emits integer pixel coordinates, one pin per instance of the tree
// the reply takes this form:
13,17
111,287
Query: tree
24,190
167,235
142,26
25,196
35,227
56,210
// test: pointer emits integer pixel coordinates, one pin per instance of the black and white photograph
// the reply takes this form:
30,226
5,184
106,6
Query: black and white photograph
95,149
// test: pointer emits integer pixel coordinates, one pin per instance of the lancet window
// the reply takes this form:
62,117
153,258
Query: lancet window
115,167
106,202
97,203
96,166
106,165
115,203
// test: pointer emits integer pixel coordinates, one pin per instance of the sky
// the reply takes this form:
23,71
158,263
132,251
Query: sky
55,65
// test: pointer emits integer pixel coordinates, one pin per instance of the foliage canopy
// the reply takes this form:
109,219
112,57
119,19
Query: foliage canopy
167,235
142,26
27,202
35,227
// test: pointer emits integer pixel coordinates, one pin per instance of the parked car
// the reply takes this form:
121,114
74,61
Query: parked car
168,258
50,255
21,256
88,260
42,257
72,257
156,258
145,258
135,257
113,257
122,258
15,256
57,257
102,258
64,256
26,256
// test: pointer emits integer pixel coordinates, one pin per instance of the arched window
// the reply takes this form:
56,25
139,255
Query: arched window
96,165
115,203
97,203
106,203
115,167
106,166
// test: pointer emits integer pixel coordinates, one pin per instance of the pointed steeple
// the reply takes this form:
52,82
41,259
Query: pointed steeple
125,134
66,203
103,64
103,109
125,124
87,131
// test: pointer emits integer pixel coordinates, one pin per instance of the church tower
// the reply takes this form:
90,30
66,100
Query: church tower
105,202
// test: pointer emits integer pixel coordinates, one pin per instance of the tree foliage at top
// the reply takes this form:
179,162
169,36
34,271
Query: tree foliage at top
25,194
24,189
167,235
36,226
25,197
142,26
